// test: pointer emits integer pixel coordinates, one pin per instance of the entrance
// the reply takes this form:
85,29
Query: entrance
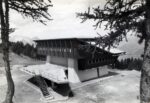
63,89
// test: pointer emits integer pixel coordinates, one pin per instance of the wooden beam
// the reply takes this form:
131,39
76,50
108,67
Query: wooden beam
61,47
72,49
48,43
66,49
98,75
57,48
53,52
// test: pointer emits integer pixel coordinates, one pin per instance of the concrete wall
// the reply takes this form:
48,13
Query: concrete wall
87,74
48,59
57,60
70,63
92,73
73,76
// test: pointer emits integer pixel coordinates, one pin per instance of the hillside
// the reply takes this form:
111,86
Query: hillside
132,48
19,60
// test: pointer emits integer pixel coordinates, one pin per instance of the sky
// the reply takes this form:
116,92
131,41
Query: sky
64,24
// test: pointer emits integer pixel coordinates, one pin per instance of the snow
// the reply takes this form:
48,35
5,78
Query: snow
120,88
19,60
114,51
67,37
50,71
111,50
123,90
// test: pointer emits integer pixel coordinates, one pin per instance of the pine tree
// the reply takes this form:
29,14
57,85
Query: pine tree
121,17
35,9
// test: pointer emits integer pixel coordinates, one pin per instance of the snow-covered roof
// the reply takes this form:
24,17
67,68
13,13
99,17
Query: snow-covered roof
65,37
111,50
52,72
115,51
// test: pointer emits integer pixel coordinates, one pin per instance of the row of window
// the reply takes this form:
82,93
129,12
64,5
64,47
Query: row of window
100,60
44,50
55,44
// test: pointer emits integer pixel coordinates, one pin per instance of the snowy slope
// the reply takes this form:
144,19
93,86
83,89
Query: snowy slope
124,87
120,88
19,60
132,48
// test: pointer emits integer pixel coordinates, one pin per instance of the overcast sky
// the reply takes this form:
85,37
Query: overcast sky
64,23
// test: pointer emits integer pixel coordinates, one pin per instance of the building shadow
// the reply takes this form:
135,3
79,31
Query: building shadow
62,89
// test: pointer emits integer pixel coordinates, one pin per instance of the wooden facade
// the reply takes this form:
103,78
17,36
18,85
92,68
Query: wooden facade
77,48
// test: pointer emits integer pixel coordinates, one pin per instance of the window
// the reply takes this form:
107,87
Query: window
66,73
89,62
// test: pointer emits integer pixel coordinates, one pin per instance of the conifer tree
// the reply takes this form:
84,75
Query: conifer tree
36,9
122,17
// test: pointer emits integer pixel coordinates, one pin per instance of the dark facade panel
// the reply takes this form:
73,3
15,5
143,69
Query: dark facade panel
96,62
60,48
88,55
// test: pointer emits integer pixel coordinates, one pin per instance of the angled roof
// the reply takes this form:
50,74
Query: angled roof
86,40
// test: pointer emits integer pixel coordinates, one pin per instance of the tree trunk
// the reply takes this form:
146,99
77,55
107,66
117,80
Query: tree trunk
145,73
145,76
4,16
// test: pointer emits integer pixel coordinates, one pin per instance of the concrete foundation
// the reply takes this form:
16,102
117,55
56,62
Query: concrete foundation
73,71
48,59
75,75
89,74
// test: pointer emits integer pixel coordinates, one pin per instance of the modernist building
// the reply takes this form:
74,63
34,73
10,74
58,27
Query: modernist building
78,55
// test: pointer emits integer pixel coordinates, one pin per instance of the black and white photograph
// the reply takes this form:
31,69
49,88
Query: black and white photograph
74,51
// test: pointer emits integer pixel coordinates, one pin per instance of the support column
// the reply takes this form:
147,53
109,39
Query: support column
48,59
98,75
73,71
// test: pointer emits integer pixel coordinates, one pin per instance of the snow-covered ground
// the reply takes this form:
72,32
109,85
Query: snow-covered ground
50,71
120,88
19,60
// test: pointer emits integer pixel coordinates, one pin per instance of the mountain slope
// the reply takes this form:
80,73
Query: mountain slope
19,60
132,48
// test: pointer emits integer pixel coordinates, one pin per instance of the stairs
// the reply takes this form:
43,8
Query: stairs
43,87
